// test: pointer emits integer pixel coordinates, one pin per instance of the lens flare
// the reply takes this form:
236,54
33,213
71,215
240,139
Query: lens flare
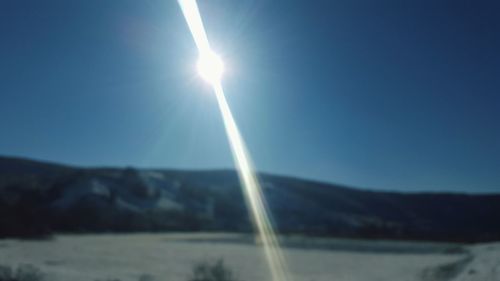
252,191
211,68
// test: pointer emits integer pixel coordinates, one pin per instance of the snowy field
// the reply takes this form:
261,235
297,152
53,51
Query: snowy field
170,257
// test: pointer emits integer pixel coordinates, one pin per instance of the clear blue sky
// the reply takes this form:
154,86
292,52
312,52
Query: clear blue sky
398,95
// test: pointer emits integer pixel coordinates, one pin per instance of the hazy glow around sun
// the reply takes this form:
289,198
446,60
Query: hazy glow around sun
210,67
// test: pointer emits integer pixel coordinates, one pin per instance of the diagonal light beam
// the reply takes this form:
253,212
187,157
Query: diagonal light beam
253,192
251,188
193,19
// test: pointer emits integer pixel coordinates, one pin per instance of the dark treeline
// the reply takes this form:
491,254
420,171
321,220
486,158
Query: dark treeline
38,200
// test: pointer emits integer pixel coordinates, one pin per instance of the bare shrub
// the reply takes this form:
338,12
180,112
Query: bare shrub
217,271
5,273
25,272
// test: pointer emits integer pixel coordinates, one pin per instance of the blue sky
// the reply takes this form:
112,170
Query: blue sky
393,95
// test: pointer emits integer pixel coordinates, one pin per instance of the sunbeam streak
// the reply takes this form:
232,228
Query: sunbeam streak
252,191
211,69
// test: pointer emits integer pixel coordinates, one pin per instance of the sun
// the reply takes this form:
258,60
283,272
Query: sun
210,67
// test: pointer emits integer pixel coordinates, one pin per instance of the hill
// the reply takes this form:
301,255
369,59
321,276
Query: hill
38,198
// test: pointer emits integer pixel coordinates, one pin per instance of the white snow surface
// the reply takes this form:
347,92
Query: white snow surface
172,256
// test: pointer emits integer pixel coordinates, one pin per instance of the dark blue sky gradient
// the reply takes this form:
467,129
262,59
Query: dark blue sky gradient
399,95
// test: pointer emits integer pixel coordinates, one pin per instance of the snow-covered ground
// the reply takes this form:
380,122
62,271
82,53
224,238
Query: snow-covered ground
171,257
484,265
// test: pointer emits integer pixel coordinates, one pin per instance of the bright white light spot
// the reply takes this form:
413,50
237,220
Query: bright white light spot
210,67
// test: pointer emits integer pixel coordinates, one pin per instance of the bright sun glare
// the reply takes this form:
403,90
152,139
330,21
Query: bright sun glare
210,67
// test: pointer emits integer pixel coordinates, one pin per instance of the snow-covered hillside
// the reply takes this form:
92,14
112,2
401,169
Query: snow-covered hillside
38,198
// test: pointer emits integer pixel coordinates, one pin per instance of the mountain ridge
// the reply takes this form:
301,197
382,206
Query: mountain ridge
4,158
38,198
